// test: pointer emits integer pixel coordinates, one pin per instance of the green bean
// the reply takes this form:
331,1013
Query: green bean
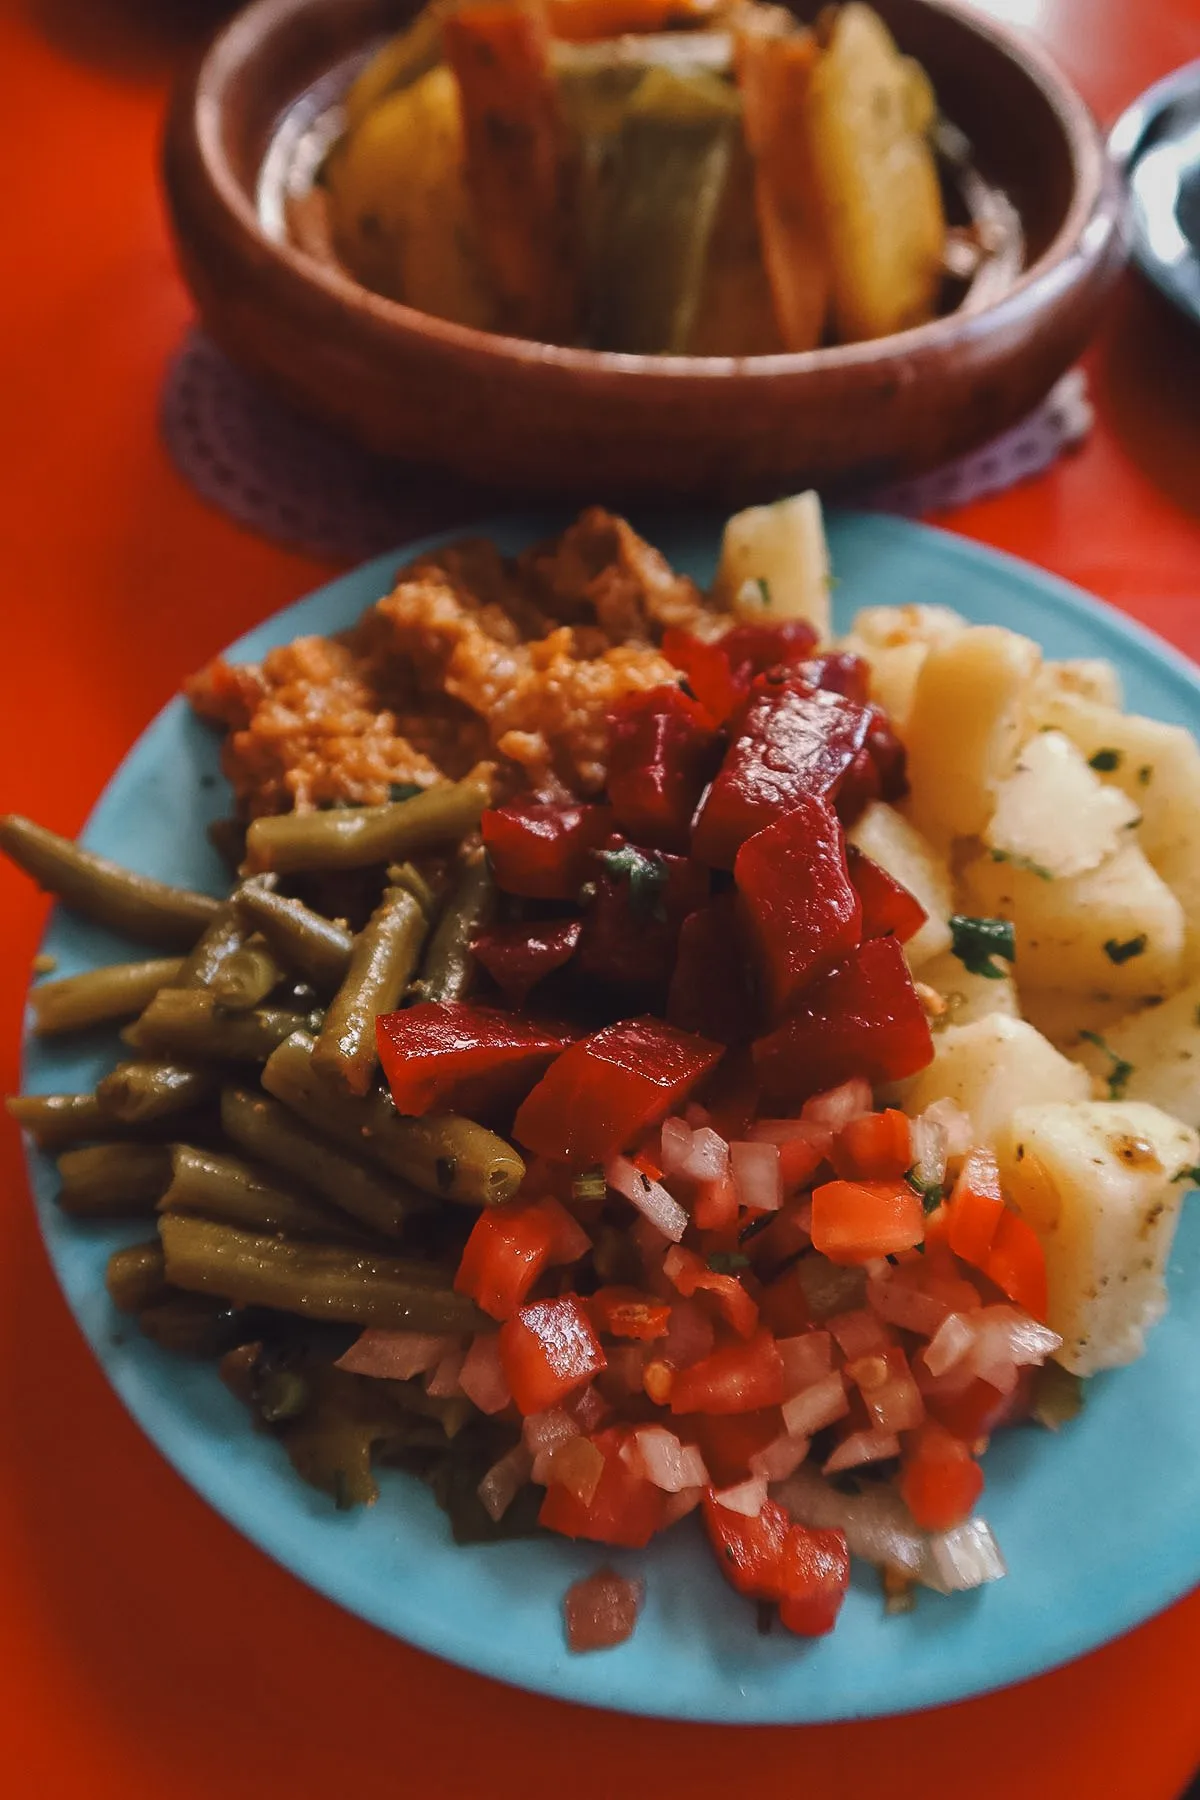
224,1187
224,935
118,991
385,955
136,906
427,893
449,968
246,978
113,1181
320,1281
194,1325
355,837
136,1277
55,1121
453,1158
154,1089
189,1022
268,1131
305,940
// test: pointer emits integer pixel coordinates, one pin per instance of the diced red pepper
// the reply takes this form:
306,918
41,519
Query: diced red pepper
452,1056
790,742
888,755
875,1147
978,1409
800,911
710,987
888,909
508,1249
862,1018
749,1552
814,1577
839,672
663,750
627,1313
631,927
739,1378
691,1275
547,1350
940,1481
857,1221
975,1208
753,649
518,956
714,1204
727,1441
707,671
624,1510
1017,1264
540,850
602,1092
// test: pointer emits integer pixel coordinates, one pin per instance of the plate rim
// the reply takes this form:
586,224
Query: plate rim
458,1647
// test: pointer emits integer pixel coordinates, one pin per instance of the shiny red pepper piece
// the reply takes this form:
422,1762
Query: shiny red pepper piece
706,669
862,1018
625,1509
710,987
791,742
449,1056
547,1350
631,925
540,850
596,1098
877,772
800,911
518,956
662,752
888,909
753,649
838,672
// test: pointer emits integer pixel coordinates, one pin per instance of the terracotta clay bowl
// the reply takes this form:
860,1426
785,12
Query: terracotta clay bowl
542,419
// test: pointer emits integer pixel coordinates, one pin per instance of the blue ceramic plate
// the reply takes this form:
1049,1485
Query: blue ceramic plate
1099,1525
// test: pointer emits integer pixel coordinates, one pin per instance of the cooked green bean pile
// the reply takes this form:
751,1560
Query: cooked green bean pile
246,1121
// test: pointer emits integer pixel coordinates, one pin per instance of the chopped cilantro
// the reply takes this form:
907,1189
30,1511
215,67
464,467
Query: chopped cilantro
930,1191
1105,761
1118,952
727,1262
404,790
976,941
1023,862
1118,1075
1190,1175
646,873
764,588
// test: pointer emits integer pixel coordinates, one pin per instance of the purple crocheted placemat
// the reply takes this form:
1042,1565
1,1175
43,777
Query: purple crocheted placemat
302,485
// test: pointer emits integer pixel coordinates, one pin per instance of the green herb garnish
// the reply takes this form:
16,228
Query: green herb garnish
1105,761
727,1262
1118,1075
1023,862
404,790
976,941
764,588
1192,1175
931,1192
591,1185
647,875
1118,952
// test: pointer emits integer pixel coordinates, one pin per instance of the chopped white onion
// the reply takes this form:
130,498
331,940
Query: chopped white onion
748,1497
676,1146
814,1407
953,1339
690,1335
895,1300
859,1333
930,1141
650,1197
756,1176
504,1481
545,1430
698,1155
877,1524
659,1456
966,1557
1013,1333
862,1447
780,1459
443,1383
841,1104
482,1378
678,1506
395,1355
960,1132
805,1359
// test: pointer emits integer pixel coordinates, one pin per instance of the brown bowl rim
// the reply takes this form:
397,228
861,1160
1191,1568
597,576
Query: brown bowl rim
203,95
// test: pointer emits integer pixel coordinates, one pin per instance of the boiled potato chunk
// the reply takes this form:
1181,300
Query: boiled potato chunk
1116,930
893,641
1159,1048
1158,766
1064,1014
1087,677
775,564
968,997
1054,812
989,1068
401,216
888,839
1098,1184
966,726
876,180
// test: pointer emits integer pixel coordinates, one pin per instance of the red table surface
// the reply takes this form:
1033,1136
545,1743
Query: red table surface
146,1650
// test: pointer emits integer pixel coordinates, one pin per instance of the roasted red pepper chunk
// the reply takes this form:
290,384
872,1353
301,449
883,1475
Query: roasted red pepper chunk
547,1350
710,987
791,743
631,925
449,1055
540,850
861,1018
625,1509
839,672
753,649
706,669
662,752
877,772
800,910
518,956
737,1378
602,1092
888,909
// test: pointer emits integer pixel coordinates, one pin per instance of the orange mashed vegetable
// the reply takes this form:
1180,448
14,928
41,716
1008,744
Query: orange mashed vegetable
469,656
